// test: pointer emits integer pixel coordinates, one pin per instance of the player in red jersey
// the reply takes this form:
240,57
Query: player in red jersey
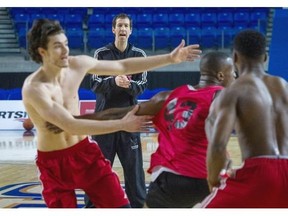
256,106
178,167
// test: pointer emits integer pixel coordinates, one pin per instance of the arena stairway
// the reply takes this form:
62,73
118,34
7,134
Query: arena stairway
8,38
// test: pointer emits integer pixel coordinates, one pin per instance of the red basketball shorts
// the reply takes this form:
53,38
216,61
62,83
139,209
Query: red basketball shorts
81,166
262,182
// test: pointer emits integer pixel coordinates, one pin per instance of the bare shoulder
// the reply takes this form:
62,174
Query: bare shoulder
32,86
80,59
231,92
81,63
279,81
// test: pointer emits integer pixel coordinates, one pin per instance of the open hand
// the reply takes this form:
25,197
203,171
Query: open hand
133,123
188,53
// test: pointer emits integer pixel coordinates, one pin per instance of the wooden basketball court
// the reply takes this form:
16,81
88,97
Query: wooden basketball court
19,184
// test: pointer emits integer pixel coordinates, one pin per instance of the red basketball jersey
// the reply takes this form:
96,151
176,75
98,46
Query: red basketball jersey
182,139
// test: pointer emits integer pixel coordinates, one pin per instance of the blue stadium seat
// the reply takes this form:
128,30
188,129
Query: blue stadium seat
17,10
33,17
75,38
239,28
176,35
144,20
58,17
21,21
258,19
108,18
225,37
257,16
162,38
134,36
241,18
22,37
192,19
193,35
133,16
208,20
176,19
96,20
160,20
208,37
225,19
95,38
145,38
72,21
108,35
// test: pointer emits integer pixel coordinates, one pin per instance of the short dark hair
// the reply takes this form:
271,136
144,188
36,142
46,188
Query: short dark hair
38,36
121,16
212,62
250,43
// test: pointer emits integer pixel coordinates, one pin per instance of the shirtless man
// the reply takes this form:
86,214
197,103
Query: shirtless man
256,104
50,94
178,166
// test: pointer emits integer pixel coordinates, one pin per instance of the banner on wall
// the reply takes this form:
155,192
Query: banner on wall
87,106
12,115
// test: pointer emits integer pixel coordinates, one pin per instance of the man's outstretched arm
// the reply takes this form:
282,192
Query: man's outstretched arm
151,107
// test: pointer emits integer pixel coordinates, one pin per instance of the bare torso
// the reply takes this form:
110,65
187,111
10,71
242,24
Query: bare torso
63,91
262,115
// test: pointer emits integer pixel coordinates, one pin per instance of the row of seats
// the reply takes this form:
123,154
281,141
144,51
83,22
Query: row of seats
67,20
147,27
164,37
184,19
149,38
228,19
48,10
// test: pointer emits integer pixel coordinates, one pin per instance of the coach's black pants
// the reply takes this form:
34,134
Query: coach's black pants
128,148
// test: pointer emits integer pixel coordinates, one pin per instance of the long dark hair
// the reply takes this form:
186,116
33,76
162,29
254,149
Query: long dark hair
38,36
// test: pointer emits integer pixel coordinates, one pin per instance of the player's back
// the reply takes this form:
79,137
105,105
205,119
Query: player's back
278,89
262,115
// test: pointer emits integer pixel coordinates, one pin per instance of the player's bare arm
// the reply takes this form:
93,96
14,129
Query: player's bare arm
218,127
138,64
52,111
147,108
